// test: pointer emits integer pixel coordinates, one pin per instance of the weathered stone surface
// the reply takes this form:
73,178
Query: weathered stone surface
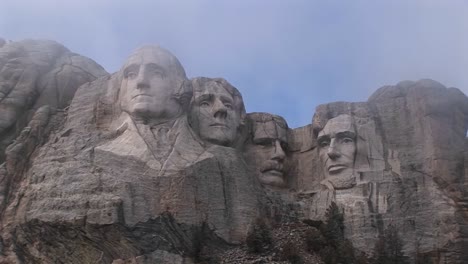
148,166
150,175
408,167
34,73
157,256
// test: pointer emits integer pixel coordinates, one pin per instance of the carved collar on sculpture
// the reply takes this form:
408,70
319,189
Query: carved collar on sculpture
154,122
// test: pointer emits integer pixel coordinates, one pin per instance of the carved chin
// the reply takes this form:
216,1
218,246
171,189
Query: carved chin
222,141
342,182
272,178
219,136
141,108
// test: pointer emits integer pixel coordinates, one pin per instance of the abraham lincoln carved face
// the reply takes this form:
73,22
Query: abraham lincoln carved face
337,147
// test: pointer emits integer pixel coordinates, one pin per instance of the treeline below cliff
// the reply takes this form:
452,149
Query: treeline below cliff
304,242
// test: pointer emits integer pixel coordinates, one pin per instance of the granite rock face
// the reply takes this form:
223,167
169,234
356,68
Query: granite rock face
397,159
148,166
34,73
139,167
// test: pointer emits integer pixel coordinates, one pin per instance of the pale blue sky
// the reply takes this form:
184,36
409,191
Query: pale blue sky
286,57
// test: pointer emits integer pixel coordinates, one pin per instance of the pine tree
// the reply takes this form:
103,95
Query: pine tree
340,250
389,248
334,227
259,237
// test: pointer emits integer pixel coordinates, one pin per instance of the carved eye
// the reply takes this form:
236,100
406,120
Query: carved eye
347,140
265,142
284,146
324,143
204,104
131,75
157,73
228,105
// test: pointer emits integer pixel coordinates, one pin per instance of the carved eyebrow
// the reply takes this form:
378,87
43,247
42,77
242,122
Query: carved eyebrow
323,137
270,140
226,99
283,142
154,66
345,134
263,140
203,97
131,67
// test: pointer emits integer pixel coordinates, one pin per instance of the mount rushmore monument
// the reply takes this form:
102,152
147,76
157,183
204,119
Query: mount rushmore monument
148,166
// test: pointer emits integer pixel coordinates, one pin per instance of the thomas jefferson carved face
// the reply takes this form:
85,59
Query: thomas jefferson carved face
267,151
151,77
215,114
337,146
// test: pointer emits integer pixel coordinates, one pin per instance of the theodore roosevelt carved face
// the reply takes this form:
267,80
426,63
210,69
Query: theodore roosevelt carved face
267,149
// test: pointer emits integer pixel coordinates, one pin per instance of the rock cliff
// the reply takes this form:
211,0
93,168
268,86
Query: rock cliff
148,166
407,167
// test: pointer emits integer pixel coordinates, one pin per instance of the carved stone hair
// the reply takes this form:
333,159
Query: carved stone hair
259,117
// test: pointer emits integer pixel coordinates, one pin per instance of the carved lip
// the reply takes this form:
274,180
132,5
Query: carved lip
272,167
135,96
274,172
218,125
336,168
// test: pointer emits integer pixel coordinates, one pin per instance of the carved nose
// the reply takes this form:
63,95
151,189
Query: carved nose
279,154
333,152
220,110
142,81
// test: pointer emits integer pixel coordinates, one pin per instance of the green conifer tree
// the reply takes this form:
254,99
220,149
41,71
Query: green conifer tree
389,248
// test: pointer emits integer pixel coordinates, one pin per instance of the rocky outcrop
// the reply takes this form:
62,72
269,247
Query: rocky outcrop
143,186
35,73
408,167
148,166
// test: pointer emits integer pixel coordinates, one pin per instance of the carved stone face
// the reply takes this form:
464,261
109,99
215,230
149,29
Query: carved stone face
267,151
337,146
213,114
151,76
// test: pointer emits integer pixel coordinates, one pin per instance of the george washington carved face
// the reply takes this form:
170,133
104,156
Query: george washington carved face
151,78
